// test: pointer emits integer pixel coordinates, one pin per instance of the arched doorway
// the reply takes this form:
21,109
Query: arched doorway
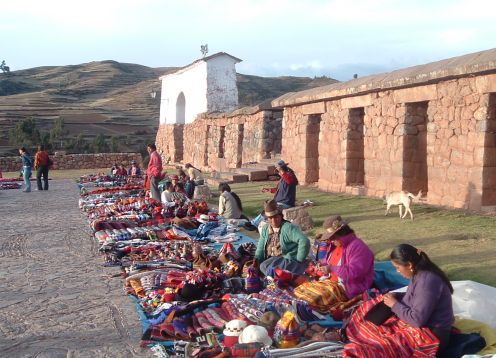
180,108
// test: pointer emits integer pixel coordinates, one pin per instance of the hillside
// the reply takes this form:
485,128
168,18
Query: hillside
110,98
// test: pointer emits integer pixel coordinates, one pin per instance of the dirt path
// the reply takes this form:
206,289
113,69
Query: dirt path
56,298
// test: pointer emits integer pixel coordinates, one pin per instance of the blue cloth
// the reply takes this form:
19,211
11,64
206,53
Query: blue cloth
386,277
204,229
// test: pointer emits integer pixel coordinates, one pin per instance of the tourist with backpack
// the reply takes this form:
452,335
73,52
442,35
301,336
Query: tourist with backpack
42,164
27,165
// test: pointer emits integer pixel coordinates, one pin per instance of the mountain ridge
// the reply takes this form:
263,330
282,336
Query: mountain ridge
110,98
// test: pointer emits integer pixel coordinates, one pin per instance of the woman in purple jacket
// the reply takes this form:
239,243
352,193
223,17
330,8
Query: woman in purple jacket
427,301
349,260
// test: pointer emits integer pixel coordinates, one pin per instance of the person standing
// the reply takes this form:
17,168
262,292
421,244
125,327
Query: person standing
285,195
27,165
154,171
41,164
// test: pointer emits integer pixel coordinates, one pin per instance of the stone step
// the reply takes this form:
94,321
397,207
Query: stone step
228,177
254,174
216,181
264,164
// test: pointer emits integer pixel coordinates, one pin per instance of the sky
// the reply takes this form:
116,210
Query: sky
334,38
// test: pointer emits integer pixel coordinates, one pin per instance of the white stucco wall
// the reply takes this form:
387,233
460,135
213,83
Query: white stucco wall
208,86
193,83
221,83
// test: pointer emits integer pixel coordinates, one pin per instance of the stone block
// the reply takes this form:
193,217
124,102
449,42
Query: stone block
356,102
299,216
202,192
415,94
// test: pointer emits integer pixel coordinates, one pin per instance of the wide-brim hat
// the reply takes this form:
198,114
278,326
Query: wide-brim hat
254,333
332,225
271,209
234,328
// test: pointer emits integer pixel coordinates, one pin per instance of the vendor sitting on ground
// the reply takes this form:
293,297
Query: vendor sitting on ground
229,207
281,244
194,174
166,197
135,170
121,171
348,260
427,303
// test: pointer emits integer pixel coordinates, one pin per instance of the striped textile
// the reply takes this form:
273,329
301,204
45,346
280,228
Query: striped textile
394,338
324,296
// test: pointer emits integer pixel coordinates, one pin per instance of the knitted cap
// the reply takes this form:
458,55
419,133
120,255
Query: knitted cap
287,332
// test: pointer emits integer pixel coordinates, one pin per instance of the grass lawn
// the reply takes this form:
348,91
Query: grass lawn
462,244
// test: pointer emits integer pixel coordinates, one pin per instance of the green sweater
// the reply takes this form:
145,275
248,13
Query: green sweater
294,244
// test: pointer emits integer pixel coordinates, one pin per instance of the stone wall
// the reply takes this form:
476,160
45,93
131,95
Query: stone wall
169,140
77,161
439,138
222,142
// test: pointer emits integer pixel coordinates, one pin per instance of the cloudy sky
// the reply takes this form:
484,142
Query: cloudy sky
336,38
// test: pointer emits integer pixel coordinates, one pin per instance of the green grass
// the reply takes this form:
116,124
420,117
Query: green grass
462,244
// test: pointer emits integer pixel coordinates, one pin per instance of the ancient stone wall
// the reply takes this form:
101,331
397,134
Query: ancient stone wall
439,138
77,161
169,140
224,141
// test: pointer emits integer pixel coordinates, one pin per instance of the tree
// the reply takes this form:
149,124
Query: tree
25,133
99,145
78,144
5,69
57,132
114,145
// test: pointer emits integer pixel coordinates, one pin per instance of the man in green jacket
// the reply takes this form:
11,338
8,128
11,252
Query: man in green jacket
281,244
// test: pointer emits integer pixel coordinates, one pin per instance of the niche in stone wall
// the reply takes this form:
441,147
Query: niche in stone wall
355,157
222,141
415,173
241,135
312,148
489,167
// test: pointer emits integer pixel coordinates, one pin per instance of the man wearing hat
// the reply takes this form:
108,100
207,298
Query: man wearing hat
285,195
349,260
281,244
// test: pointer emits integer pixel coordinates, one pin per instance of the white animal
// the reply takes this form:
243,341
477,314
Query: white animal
401,198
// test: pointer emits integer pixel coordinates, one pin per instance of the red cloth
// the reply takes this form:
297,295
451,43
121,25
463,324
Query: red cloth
41,158
334,259
394,338
289,178
154,165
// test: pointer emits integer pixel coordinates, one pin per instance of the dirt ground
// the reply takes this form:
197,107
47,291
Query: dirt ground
56,298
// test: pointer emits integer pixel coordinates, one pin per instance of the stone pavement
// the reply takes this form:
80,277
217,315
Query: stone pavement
56,298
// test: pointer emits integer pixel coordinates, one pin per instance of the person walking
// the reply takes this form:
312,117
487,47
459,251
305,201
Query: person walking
42,165
154,171
27,165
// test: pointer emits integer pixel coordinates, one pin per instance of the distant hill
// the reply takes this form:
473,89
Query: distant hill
110,98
